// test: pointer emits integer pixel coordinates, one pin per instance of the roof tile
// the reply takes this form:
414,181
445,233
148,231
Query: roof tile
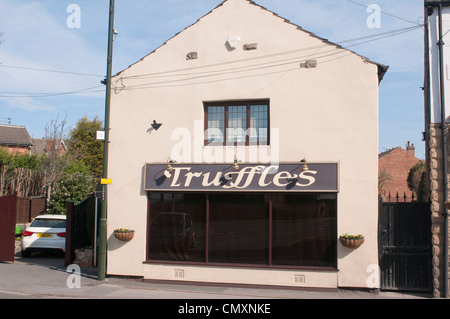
13,135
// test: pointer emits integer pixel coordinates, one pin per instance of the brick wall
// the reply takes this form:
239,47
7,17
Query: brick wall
16,150
397,162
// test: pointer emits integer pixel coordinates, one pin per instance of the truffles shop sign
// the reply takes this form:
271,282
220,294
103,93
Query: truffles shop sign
319,177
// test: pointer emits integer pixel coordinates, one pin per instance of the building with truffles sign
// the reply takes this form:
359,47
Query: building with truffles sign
220,177
234,168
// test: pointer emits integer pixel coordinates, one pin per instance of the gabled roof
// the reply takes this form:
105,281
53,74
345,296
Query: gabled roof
382,69
409,147
12,135
388,152
43,146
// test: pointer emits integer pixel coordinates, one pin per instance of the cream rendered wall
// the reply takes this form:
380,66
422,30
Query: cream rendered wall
324,114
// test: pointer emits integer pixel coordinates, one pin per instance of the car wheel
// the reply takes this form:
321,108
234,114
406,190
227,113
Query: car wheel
26,253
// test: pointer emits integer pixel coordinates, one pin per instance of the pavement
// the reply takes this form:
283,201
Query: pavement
44,275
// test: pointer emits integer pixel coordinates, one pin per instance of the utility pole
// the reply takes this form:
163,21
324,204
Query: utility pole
444,146
103,214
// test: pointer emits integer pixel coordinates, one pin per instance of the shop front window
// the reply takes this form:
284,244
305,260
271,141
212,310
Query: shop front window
304,230
177,226
260,229
238,228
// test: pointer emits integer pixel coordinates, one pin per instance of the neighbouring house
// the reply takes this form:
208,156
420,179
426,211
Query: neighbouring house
239,151
15,139
397,163
437,112
43,146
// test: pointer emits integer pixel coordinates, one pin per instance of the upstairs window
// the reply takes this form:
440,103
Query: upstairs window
237,123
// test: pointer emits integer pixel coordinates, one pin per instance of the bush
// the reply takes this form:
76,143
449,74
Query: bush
73,187
416,181
14,161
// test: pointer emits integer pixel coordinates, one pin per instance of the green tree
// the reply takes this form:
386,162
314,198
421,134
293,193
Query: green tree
84,145
383,179
83,169
20,173
18,160
416,181
77,166
74,187
53,163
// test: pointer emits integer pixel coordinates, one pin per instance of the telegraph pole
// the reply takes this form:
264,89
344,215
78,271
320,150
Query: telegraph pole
102,223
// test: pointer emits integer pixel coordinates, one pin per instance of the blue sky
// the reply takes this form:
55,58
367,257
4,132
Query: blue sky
37,37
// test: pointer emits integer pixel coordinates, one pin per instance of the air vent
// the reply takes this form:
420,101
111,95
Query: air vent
179,273
299,279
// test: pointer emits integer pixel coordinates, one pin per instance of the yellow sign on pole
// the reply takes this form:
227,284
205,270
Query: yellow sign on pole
105,181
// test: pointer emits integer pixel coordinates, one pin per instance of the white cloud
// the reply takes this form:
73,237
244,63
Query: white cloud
26,104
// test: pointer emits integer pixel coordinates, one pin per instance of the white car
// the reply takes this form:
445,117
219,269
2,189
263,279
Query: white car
46,232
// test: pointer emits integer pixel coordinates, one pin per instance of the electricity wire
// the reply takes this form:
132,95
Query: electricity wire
48,70
211,73
17,94
171,72
255,67
386,13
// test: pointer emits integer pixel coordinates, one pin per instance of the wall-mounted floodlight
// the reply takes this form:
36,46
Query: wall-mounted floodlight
169,167
235,165
304,166
155,125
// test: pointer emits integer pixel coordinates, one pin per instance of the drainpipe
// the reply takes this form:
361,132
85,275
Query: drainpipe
444,148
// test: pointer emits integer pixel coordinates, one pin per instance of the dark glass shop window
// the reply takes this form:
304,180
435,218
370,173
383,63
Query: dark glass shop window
238,228
177,226
304,230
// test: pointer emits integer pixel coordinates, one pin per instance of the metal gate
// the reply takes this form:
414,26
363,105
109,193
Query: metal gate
8,208
405,246
81,226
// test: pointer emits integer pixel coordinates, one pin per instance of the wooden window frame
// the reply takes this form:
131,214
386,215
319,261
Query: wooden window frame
226,105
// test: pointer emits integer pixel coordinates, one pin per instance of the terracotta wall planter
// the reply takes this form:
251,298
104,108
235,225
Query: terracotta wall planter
351,242
125,235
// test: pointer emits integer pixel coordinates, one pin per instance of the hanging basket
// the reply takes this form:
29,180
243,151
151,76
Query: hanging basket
351,242
124,235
